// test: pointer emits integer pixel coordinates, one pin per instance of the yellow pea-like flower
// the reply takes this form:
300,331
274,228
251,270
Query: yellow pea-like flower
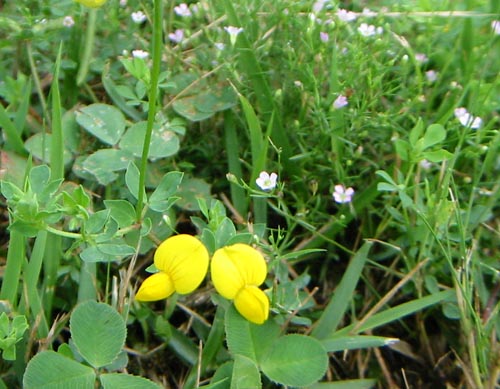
91,3
237,271
182,261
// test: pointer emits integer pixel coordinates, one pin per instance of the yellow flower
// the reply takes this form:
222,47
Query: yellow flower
91,3
182,261
237,271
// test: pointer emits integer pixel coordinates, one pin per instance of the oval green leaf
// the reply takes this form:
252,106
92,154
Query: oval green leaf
98,331
52,370
105,122
295,360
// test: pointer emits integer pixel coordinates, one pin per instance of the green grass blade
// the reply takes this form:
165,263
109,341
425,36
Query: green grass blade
57,143
399,312
334,311
14,140
12,274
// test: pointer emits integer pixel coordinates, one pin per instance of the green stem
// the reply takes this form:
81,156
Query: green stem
15,259
87,50
153,94
38,84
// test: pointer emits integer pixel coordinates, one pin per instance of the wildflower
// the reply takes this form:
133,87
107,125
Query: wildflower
182,261
68,21
346,16
420,57
237,272
91,3
219,46
123,3
177,36
138,17
324,36
266,181
340,101
466,119
431,75
495,25
182,10
140,54
233,33
425,164
369,30
343,195
318,5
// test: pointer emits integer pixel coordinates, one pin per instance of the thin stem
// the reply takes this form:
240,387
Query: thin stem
153,94
87,50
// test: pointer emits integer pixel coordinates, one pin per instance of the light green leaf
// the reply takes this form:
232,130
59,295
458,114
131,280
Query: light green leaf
132,180
190,191
434,134
104,163
355,342
347,384
246,374
105,122
164,143
126,381
122,211
295,360
50,370
161,199
98,331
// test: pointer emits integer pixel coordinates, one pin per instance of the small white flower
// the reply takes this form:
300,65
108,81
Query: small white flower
267,182
219,46
425,164
123,3
324,37
140,54
233,33
318,5
466,119
367,30
340,101
495,25
68,21
138,17
346,16
431,75
177,36
420,57
182,10
342,194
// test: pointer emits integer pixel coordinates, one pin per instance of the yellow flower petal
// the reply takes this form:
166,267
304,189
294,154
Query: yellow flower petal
91,3
156,287
236,266
253,304
185,259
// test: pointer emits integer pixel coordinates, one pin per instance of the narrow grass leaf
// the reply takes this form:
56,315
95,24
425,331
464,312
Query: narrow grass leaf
347,384
126,381
57,142
342,343
14,141
334,311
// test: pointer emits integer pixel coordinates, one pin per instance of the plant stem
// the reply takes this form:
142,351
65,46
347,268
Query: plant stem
153,94
87,50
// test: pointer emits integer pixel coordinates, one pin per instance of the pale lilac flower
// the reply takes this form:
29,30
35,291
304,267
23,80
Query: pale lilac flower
140,54
495,25
324,36
138,17
266,181
346,16
369,30
425,164
68,21
466,119
182,10
420,57
431,75
219,46
233,33
318,5
342,194
340,101
368,12
177,36
123,3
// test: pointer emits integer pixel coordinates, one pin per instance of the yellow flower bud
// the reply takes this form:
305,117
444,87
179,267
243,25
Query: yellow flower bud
237,271
182,261
91,3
